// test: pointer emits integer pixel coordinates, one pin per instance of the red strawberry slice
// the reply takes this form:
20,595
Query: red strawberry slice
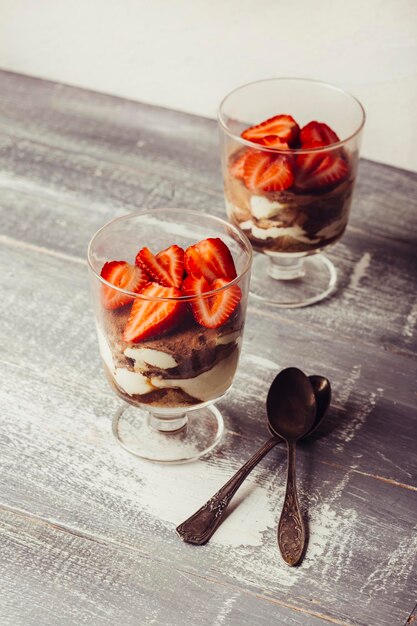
307,163
330,171
211,311
283,126
166,268
236,167
316,134
272,141
210,258
265,172
121,274
152,317
172,260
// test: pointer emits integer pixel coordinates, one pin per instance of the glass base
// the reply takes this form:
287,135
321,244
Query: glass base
177,438
290,283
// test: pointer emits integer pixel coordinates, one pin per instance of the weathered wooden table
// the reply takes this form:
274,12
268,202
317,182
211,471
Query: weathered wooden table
86,530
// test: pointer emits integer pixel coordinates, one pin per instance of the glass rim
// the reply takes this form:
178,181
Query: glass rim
208,294
257,146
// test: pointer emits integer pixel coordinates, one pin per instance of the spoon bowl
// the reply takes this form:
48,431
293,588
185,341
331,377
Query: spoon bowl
323,394
291,405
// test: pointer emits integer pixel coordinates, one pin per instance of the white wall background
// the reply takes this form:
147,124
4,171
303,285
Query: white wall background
187,54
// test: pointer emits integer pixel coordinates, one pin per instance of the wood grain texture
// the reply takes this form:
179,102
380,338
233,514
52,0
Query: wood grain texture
87,532
67,578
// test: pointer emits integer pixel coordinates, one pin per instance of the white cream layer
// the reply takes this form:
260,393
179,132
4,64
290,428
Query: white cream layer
230,208
261,207
275,232
208,385
204,387
148,356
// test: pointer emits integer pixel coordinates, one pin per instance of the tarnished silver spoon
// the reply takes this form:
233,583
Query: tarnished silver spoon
201,526
292,410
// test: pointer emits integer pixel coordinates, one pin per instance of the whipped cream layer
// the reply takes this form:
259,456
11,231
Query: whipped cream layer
296,232
142,380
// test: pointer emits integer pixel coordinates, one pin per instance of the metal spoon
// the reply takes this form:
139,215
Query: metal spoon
291,407
201,526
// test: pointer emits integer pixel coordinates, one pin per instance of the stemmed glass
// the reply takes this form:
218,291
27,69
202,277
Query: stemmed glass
170,381
291,227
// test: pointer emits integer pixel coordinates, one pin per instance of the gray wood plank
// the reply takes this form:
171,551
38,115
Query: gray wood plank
70,160
58,461
65,578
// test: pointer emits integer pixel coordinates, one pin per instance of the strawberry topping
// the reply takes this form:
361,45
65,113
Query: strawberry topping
282,126
265,172
210,258
321,172
316,134
211,311
272,141
150,317
236,167
166,268
125,276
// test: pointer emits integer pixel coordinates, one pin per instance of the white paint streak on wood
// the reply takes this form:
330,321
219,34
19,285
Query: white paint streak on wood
410,323
394,571
349,384
30,247
332,532
355,422
359,271
24,187
396,465
195,488
352,427
225,609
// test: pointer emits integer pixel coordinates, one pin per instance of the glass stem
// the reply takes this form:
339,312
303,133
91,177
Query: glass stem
285,268
164,424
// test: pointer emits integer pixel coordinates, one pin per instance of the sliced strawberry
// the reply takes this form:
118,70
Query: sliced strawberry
151,317
121,274
255,165
307,163
316,134
272,141
166,268
265,172
210,258
236,167
330,171
172,260
211,311
283,126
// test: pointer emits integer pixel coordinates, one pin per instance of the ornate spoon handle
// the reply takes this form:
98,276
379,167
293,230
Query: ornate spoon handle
198,528
291,531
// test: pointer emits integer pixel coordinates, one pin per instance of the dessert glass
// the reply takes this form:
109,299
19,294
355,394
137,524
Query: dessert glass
290,228
170,381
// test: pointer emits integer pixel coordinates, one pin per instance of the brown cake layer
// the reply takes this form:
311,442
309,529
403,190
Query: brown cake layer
312,212
194,348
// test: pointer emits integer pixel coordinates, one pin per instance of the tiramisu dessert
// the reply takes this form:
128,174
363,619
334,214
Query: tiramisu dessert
295,196
171,345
